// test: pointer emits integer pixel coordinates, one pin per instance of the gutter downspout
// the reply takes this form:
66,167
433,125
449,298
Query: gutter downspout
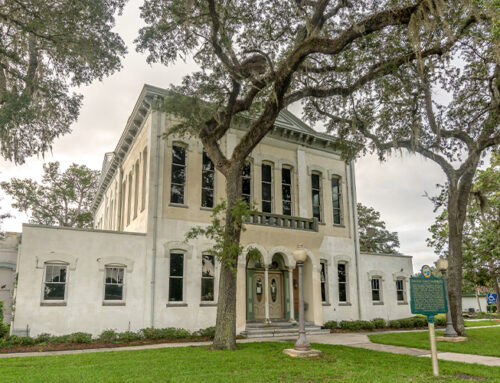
155,215
355,232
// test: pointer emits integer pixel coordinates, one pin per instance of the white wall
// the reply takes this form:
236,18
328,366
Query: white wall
389,268
471,302
86,251
8,257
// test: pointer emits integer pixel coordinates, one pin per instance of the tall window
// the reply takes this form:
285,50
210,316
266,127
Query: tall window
175,292
400,290
178,174
136,189
324,282
113,283
144,177
129,198
267,188
207,277
286,190
55,282
246,183
207,182
342,276
316,195
122,209
336,201
376,289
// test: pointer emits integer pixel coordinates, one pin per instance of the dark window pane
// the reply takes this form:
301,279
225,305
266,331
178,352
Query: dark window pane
342,292
315,181
401,296
323,293
178,174
175,290
336,217
207,289
286,177
287,208
207,180
54,291
287,193
323,282
246,198
316,213
207,162
266,207
113,292
246,186
176,265
315,197
246,171
178,155
266,192
208,266
341,272
55,273
207,198
376,295
177,194
266,173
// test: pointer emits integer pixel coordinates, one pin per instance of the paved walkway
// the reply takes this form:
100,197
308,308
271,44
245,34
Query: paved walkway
359,340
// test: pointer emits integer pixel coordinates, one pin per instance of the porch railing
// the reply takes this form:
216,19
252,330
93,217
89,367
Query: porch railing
283,221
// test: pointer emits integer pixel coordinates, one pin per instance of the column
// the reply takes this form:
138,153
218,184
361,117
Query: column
292,308
266,294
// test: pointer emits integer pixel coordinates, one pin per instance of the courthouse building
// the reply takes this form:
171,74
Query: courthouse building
135,269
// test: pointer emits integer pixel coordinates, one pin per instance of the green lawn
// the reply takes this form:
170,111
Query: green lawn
484,341
478,323
252,362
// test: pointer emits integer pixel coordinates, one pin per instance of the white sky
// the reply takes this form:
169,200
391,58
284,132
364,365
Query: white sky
395,188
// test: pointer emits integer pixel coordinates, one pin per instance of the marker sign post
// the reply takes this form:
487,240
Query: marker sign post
428,297
491,299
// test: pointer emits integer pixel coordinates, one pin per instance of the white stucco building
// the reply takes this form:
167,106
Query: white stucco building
134,270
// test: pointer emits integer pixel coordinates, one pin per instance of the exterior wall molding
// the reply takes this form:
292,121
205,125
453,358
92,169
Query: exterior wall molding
288,256
185,141
41,260
316,168
399,275
289,162
103,262
178,245
342,258
265,255
8,265
334,173
260,158
376,273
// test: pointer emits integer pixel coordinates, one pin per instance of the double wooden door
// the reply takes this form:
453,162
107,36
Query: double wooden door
275,294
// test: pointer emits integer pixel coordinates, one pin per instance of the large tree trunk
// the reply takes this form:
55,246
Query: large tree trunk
225,329
456,217
457,208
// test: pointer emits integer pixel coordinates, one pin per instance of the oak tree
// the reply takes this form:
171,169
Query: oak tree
373,235
47,47
61,199
256,57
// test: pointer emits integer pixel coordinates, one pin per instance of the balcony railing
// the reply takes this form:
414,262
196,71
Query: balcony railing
283,221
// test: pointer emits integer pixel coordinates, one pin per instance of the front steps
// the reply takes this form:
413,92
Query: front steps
279,329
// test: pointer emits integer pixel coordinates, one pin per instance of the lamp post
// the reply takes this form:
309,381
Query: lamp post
302,344
442,265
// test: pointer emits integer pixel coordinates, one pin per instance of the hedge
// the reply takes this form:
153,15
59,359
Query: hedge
108,336
418,321
4,327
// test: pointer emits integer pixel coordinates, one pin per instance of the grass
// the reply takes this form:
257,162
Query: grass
252,362
481,323
485,341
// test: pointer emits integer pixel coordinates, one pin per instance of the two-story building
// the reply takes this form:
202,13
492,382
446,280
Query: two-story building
136,270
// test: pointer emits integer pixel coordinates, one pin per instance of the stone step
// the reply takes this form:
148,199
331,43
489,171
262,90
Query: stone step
281,332
280,324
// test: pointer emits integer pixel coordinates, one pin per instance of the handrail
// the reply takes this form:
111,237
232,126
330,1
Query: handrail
283,221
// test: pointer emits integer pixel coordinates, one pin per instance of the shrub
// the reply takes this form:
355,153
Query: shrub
80,337
357,325
4,327
379,323
59,339
43,338
419,321
440,320
129,336
108,336
208,332
394,324
331,325
151,333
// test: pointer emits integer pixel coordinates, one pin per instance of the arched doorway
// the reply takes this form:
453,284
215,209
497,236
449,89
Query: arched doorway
267,289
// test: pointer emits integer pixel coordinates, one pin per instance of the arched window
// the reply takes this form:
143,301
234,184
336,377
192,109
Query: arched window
337,200
144,177
246,183
316,195
207,181
267,188
286,190
178,180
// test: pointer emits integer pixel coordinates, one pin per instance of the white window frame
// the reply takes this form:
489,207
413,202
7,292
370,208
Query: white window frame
347,295
214,279
124,285
290,169
327,293
320,193
214,171
184,262
380,290
403,282
185,194
56,302
340,208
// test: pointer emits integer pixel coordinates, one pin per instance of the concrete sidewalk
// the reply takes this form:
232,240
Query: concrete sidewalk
358,340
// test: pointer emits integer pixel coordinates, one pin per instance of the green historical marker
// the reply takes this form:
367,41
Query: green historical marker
428,297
